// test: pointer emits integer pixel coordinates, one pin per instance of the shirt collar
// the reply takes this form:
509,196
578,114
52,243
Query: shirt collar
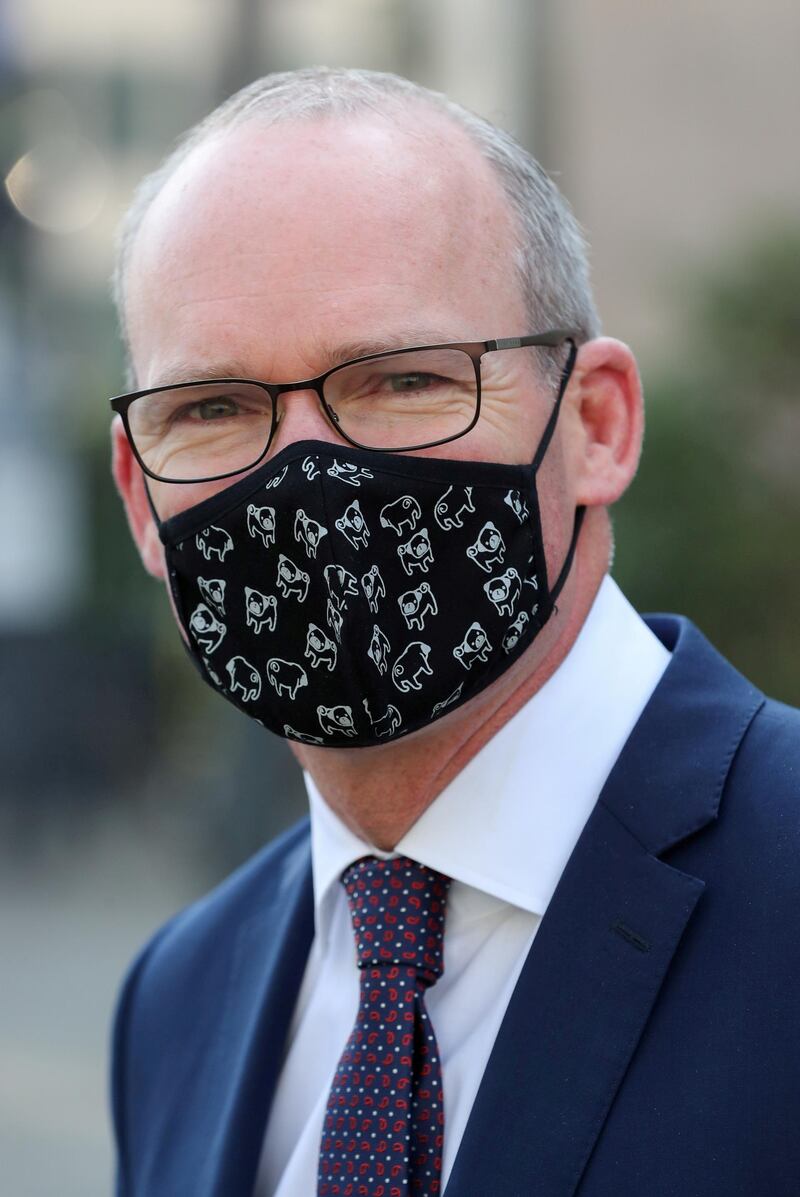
507,824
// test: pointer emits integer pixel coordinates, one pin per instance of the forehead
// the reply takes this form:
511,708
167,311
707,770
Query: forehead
323,232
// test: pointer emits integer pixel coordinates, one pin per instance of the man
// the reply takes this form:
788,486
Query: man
565,839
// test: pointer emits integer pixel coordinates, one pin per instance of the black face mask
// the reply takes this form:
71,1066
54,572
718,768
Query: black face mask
346,598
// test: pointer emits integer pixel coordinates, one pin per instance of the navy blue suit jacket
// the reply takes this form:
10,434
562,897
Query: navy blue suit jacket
652,1044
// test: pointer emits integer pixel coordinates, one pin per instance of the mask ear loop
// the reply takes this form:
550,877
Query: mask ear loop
566,374
150,502
580,512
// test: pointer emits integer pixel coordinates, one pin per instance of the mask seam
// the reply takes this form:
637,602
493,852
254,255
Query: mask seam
333,560
352,659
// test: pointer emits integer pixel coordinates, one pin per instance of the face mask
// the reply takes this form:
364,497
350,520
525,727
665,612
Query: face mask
346,598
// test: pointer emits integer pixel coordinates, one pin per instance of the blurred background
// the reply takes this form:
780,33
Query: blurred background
126,788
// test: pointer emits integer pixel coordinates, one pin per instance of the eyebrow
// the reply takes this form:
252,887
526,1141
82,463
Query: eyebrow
404,340
337,355
182,372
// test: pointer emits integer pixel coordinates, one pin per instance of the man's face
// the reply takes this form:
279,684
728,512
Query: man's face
274,253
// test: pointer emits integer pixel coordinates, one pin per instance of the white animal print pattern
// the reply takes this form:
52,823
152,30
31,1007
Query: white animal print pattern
356,613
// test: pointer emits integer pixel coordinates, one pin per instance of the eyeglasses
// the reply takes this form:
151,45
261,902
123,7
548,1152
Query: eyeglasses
393,402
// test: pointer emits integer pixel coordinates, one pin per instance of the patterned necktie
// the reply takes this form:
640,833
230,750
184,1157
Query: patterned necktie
384,1123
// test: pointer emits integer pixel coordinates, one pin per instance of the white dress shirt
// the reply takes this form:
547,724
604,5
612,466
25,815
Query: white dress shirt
503,829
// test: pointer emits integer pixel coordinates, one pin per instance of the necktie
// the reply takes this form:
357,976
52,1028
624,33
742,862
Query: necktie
384,1123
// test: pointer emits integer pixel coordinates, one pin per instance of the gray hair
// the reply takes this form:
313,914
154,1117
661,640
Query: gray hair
551,254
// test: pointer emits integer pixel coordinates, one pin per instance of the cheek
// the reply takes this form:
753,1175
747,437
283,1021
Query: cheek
509,429
152,551
511,423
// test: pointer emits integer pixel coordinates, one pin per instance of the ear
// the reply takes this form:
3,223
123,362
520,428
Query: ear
131,485
605,400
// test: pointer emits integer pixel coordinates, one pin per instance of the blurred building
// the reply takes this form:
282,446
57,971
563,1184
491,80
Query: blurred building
669,128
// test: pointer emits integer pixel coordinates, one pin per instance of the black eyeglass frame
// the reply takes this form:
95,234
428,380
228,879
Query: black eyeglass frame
475,350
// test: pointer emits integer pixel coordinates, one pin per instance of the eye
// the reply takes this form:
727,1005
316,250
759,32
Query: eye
216,407
413,381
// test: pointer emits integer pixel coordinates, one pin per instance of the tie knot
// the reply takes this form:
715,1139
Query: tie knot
398,907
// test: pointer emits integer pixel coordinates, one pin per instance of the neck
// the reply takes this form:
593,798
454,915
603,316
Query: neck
380,792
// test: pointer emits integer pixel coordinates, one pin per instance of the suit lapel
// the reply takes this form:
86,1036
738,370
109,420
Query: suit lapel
608,937
269,959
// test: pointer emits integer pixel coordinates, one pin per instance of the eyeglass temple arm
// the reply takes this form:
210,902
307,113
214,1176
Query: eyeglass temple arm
556,337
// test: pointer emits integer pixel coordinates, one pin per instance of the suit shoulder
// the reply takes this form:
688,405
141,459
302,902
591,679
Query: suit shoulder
769,755
778,717
760,811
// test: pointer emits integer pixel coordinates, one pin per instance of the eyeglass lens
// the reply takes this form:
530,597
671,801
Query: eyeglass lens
401,400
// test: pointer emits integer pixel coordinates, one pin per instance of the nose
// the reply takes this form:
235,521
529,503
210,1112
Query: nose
300,417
